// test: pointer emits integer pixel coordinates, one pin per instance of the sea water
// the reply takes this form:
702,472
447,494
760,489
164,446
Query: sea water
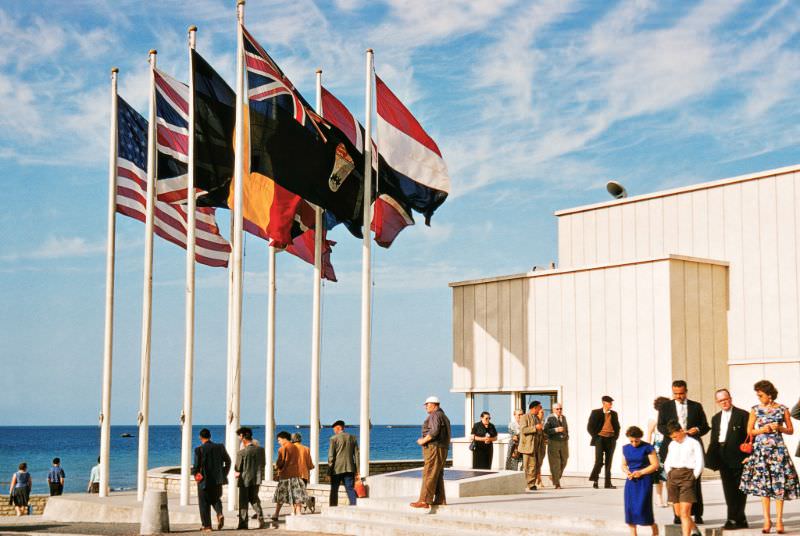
79,446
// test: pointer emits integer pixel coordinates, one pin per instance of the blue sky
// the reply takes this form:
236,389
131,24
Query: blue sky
535,105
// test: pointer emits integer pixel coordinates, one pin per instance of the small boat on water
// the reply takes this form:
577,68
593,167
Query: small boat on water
126,434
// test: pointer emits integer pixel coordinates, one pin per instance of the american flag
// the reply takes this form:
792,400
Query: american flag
170,220
265,80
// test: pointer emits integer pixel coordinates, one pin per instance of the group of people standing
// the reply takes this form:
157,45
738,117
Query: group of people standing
19,493
747,448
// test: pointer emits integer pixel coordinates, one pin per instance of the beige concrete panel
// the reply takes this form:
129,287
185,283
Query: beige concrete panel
583,347
530,341
770,289
597,334
469,337
716,223
569,370
708,381
590,238
685,225
459,370
629,232
670,210
504,319
787,264
700,240
751,266
733,250
691,313
614,234
564,241
656,213
612,311
540,358
678,320
518,323
630,297
645,341
493,351
576,245
556,335
479,337
602,234
662,329
642,246
720,312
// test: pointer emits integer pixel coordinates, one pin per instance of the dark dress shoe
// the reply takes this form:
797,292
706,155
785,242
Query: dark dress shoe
610,486
742,524
698,520
676,520
594,485
730,525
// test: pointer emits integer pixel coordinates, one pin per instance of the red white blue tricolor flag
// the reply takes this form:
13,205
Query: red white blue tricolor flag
413,157
170,220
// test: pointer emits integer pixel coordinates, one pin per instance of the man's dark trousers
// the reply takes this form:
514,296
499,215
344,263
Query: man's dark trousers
56,488
348,479
603,447
208,496
249,495
734,498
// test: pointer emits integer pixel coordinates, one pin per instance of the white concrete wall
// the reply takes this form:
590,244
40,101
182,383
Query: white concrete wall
752,222
618,330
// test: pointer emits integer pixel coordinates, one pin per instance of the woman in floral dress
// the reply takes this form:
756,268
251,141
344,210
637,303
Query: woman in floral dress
769,472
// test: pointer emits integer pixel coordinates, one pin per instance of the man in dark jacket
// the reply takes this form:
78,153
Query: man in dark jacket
603,427
728,431
249,472
210,470
557,431
690,415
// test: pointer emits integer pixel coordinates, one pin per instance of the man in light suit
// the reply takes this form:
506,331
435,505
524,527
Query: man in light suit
603,427
249,470
728,431
342,463
557,432
531,443
690,415
210,470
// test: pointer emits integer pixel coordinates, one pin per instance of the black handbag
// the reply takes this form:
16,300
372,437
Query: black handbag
473,445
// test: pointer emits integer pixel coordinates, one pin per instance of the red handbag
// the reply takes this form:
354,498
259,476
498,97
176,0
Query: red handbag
747,446
360,488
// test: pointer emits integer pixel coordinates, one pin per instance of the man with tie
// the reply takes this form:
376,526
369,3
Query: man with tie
728,431
691,417
603,427
557,433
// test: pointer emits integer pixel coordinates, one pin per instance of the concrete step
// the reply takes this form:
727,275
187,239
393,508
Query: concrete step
326,524
474,513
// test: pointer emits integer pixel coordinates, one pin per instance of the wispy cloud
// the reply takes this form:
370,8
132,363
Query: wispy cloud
59,247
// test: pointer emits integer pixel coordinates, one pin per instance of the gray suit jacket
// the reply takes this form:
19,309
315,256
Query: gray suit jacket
250,463
796,415
342,454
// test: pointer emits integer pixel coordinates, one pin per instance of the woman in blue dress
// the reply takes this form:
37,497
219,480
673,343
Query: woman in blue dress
639,462
20,492
769,472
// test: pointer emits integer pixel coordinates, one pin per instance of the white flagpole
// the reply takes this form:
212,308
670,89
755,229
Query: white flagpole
188,363
235,351
108,339
366,274
269,423
147,297
315,324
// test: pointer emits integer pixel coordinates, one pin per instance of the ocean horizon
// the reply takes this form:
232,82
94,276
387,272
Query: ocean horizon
78,446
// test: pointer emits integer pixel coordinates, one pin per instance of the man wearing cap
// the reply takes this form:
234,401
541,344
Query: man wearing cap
604,428
435,443
342,463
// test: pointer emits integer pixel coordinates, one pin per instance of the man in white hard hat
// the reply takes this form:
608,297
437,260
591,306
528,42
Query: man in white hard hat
435,443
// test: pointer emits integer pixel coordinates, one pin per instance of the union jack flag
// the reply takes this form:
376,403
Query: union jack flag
265,80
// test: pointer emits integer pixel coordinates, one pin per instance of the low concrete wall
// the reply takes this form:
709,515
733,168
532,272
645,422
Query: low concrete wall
37,503
168,479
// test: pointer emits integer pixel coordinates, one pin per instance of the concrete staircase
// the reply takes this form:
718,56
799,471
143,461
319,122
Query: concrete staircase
394,517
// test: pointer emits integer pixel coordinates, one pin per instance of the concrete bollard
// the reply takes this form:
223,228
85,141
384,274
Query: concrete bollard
155,513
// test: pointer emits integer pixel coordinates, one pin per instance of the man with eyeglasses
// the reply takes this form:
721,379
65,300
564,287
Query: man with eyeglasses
557,432
728,431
